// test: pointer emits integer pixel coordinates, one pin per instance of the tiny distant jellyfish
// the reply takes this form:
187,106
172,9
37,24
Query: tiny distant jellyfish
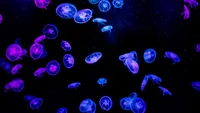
36,103
39,72
104,5
66,10
62,110
42,3
138,105
16,85
154,78
14,52
196,85
74,85
125,103
132,66
186,12
50,31
65,45
53,68
85,105
149,55
144,82
102,81
68,61
6,66
28,98
94,1
105,103
99,21
118,3
37,51
1,18
133,95
16,69
39,39
93,58
83,16
107,28
192,3
172,56
165,91
198,48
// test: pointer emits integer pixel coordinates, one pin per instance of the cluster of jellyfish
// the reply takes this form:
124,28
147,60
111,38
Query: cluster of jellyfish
186,11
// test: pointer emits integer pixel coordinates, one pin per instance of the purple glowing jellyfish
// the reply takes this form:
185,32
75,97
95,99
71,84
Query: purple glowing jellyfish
50,31
68,61
192,3
16,69
186,12
66,45
74,85
172,56
34,102
16,85
42,3
1,18
39,72
138,105
132,66
37,51
83,16
15,52
53,68
39,39
66,10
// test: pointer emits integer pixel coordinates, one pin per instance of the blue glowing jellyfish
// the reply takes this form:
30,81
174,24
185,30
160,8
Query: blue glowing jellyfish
93,58
144,82
53,68
132,55
39,72
118,3
16,85
99,21
105,103
94,1
66,10
65,45
68,61
165,91
132,66
16,69
6,66
85,105
133,95
28,98
107,28
62,110
172,56
74,85
92,109
83,16
102,81
15,52
104,5
125,103
37,51
154,79
196,85
39,39
50,31
138,105
36,103
149,55
124,56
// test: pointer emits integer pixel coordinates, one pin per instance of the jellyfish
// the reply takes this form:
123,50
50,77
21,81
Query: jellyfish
92,109
68,61
107,28
118,3
104,5
1,18
192,3
149,55
165,91
39,72
6,66
34,102
14,52
16,69
186,12
66,10
50,31
196,85
39,39
102,81
99,21
144,82
172,56
28,98
83,16
138,105
74,85
37,51
132,66
124,56
154,79
94,1
62,110
132,55
53,68
105,103
133,95
65,45
93,58
85,105
42,3
16,85
125,103
198,48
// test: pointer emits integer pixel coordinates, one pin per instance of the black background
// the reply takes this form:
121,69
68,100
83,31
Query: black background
137,26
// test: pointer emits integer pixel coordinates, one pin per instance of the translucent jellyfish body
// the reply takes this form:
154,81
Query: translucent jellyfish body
192,3
62,110
14,52
42,3
88,106
107,28
144,82
118,3
155,79
68,61
39,39
149,55
132,65
6,66
1,18
196,85
99,21
66,10
39,72
16,69
65,45
83,16
102,81
165,91
125,103
34,102
37,51
94,1
50,31
172,56
105,103
53,68
74,85
16,85
132,55
93,58
138,105
104,5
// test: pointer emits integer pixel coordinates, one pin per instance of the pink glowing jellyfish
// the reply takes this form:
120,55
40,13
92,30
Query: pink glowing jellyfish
16,69
16,85
42,3
186,13
15,52
39,39
39,72
37,51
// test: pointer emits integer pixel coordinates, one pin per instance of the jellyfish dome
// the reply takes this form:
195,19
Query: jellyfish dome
149,55
93,58
68,61
14,52
85,105
83,16
94,1
138,105
62,110
39,72
53,68
132,66
118,3
172,56
102,81
16,85
50,31
16,69
37,51
42,3
66,10
65,45
105,103
107,28
36,103
125,103
104,5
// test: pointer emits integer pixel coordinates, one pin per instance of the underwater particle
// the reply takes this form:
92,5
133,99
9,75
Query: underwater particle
198,48
133,95
186,12
66,45
37,51
102,81
14,52
62,110
196,85
16,69
94,1
36,103
68,61
172,56
66,10
39,72
16,85
74,85
42,4
83,16
53,68
118,3
93,58
154,78
99,21
138,105
85,105
125,103
149,55
1,18
104,5
132,66
6,66
107,28
39,39
50,31
165,91
192,3
144,82
105,103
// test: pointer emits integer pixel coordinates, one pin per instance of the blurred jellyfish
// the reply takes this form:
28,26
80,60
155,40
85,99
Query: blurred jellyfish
102,81
138,105
124,56
83,16
192,3
65,45
196,85
1,18
172,56
186,12
62,110
85,105
74,85
198,48
118,3
165,91
94,1
50,31
125,103
34,102
66,10
14,52
107,28
68,61
39,39
154,79
144,82
28,98
132,55
104,5
39,72
16,69
37,51
132,66
42,3
105,103
99,21
93,58
149,55
16,85
6,66
53,68
133,95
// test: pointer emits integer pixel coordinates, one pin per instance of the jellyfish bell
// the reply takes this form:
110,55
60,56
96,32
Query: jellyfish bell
125,103
37,51
105,103
104,5
14,52
173,56
36,103
132,66
16,69
68,61
149,55
138,105
50,31
53,68
65,45
93,58
66,10
102,81
16,85
85,105
83,16
39,72
107,28
118,3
